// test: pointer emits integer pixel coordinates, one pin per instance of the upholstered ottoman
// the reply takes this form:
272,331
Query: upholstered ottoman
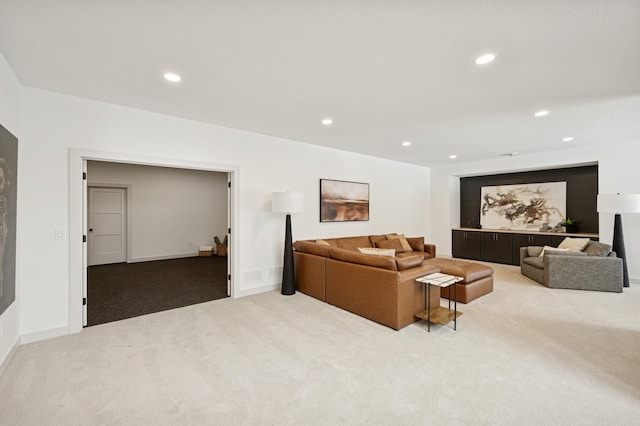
477,279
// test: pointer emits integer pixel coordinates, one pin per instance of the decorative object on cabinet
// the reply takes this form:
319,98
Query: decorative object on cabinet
617,203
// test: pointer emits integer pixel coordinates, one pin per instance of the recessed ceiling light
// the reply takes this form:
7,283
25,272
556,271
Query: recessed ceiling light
406,143
485,59
567,139
541,113
453,156
327,121
513,154
172,77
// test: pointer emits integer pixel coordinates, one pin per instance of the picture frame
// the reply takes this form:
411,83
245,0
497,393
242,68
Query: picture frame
343,201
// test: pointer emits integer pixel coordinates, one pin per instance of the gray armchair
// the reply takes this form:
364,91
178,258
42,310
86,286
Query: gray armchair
595,268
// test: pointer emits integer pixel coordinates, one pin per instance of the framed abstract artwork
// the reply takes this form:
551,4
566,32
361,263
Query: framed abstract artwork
8,196
531,206
342,201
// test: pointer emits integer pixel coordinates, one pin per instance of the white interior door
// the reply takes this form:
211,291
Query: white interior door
107,226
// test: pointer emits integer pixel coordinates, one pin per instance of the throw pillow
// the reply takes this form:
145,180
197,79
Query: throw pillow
403,240
377,251
574,244
416,243
408,262
322,243
552,250
391,244
596,248
533,251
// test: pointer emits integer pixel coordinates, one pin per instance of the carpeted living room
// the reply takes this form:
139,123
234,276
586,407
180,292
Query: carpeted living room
431,211
524,354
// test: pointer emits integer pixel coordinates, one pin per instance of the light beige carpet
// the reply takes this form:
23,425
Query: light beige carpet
523,355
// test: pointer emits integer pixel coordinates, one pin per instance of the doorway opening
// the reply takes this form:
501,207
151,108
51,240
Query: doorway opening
150,236
137,254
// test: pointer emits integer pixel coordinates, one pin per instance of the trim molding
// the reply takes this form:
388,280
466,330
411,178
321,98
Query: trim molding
163,257
9,355
44,334
259,289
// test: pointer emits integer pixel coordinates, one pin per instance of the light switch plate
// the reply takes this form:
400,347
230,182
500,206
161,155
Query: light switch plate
59,234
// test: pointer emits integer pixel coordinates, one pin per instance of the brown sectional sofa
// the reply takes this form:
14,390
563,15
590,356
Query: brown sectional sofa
380,288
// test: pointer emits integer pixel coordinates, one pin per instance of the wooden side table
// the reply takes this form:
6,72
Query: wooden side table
439,315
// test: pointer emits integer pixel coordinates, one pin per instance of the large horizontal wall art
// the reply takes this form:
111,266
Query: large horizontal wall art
533,206
343,201
8,193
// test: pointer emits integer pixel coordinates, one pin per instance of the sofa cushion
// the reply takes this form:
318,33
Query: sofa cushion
391,244
403,240
416,243
311,248
424,254
470,271
596,248
408,262
322,243
377,251
574,244
537,261
345,255
375,238
352,243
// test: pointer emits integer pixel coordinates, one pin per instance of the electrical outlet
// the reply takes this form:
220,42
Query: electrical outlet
58,234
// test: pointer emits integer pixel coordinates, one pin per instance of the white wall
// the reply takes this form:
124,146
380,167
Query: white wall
173,211
618,172
10,119
52,123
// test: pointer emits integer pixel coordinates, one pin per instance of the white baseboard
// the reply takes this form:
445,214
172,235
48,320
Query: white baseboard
44,334
163,257
9,356
248,291
634,280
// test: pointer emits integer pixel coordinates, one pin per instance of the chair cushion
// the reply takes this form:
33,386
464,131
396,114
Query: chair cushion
574,244
553,250
537,262
596,248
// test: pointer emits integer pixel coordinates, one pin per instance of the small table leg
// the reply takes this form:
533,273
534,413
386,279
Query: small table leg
428,307
455,305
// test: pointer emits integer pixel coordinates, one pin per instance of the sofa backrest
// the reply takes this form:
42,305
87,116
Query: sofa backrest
352,243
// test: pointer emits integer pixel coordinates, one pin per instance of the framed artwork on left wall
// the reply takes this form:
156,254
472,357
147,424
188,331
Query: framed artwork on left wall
8,196
342,201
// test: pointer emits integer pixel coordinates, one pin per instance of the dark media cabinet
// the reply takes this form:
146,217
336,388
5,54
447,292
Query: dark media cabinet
503,246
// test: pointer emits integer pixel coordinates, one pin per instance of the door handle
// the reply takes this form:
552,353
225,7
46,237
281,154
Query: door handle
90,229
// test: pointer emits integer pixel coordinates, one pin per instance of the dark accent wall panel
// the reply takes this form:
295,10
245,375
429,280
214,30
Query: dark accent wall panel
582,192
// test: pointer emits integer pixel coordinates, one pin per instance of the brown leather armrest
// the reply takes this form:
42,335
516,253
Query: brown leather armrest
431,249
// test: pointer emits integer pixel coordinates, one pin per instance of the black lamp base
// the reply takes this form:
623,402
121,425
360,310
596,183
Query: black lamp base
618,247
288,272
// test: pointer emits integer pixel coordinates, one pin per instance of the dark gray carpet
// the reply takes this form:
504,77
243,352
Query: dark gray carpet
125,290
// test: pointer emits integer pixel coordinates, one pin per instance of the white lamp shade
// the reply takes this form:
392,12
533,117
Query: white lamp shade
287,202
619,203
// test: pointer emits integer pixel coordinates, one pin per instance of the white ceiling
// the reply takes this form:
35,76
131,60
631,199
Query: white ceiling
385,71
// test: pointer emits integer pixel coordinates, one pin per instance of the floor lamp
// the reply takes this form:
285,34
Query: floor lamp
288,202
617,203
